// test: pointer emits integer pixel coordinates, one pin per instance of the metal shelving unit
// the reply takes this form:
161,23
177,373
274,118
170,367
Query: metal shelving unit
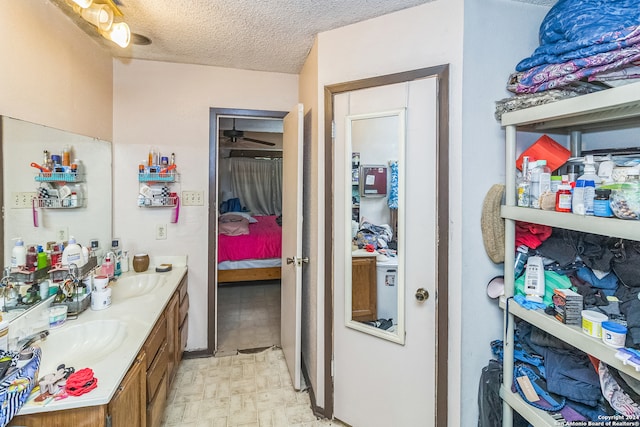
615,108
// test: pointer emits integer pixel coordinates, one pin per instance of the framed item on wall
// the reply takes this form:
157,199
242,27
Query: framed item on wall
373,181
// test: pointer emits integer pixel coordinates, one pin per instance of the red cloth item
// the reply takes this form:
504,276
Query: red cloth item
531,235
81,382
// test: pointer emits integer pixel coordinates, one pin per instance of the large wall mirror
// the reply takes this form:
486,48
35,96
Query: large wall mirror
374,282
88,217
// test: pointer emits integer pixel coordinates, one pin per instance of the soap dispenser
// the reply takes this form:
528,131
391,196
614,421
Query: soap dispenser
72,254
108,266
19,254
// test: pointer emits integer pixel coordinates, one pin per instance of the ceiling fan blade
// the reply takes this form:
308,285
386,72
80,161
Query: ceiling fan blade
257,141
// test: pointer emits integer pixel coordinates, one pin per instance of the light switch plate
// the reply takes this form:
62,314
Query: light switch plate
192,198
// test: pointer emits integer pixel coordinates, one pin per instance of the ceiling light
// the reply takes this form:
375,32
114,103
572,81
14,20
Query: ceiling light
99,15
119,33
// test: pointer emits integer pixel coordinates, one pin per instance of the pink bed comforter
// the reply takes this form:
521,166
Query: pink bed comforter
263,241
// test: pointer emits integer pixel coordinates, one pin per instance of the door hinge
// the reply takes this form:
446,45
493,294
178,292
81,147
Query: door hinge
332,367
333,128
107,422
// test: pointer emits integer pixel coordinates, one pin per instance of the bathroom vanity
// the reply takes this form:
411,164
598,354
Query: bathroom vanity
134,348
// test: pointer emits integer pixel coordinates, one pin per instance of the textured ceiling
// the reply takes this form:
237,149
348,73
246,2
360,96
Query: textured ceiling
273,35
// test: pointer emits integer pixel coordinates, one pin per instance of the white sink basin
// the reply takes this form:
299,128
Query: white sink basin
137,285
82,344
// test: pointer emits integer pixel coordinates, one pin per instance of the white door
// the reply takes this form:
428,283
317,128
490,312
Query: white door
291,283
377,382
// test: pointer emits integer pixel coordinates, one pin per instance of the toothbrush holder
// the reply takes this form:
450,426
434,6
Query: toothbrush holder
140,262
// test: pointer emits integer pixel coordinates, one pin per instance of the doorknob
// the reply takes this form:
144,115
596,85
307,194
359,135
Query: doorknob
297,261
422,295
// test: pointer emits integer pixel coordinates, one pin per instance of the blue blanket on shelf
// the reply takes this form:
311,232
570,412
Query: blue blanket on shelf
582,28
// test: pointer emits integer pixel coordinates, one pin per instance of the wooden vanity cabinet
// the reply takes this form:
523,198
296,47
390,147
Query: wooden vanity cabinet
183,327
363,288
156,350
128,406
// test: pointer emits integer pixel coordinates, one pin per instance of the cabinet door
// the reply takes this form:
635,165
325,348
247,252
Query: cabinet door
173,337
128,408
363,288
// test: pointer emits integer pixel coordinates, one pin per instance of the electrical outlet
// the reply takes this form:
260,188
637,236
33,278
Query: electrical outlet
22,200
161,231
192,198
62,234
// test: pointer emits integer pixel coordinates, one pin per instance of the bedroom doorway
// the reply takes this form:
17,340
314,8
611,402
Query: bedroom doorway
245,195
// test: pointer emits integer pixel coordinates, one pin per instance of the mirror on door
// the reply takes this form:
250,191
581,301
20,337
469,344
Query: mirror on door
374,282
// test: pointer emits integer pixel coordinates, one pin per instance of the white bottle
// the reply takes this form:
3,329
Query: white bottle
18,254
540,181
534,279
591,181
577,199
72,254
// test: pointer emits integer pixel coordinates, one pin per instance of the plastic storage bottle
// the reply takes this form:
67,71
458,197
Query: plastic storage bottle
72,254
534,279
18,254
524,186
66,156
601,205
43,260
108,267
584,192
32,258
563,198
540,181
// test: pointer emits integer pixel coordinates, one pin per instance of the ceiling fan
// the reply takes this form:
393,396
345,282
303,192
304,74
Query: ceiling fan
234,135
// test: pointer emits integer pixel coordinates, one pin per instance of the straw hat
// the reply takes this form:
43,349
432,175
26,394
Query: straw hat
492,224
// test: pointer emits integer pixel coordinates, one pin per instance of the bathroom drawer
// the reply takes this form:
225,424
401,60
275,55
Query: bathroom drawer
155,408
156,338
156,372
184,309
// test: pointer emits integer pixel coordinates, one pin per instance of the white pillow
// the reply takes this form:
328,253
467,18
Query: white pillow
246,215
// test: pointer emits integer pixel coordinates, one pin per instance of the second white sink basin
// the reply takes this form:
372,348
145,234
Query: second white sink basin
82,344
136,285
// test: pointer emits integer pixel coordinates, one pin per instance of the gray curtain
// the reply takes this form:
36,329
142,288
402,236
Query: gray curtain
258,184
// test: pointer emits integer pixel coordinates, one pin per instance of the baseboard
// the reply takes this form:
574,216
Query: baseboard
196,354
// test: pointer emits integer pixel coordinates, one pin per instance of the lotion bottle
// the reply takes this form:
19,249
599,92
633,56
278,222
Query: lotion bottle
18,254
72,254
534,279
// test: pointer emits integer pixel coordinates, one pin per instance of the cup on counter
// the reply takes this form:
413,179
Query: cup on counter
101,299
44,289
57,315
100,282
140,262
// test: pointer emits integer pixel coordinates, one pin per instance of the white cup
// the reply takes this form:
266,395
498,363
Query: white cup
100,282
44,289
101,299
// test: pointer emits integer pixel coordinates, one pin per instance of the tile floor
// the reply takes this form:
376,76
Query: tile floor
248,316
244,390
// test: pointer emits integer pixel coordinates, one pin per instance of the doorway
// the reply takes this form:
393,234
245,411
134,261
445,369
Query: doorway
345,343
244,308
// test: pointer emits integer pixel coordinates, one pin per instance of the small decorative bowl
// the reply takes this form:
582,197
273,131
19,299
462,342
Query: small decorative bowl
140,262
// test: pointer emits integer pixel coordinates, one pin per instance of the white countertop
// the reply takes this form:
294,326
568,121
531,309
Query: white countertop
138,316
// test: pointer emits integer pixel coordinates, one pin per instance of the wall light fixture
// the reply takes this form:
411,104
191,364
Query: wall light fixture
101,15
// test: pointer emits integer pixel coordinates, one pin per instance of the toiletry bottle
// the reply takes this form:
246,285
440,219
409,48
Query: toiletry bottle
18,254
534,279
540,181
577,200
72,254
43,260
524,186
124,261
108,267
115,248
66,156
32,258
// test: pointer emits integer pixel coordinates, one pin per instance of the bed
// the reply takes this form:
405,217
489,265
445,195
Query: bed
252,256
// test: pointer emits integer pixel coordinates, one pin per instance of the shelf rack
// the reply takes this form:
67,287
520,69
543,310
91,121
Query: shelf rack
615,108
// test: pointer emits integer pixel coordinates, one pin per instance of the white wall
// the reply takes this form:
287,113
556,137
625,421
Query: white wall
167,105
498,34
52,73
423,36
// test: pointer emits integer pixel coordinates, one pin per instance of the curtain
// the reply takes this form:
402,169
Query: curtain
258,184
